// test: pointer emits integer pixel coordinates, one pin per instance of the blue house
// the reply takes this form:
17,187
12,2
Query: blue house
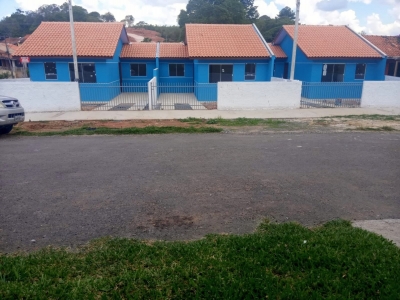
110,67
227,52
212,53
98,47
335,56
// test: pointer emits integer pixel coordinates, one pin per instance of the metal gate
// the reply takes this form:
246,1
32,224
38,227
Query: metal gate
114,96
331,94
174,96
147,96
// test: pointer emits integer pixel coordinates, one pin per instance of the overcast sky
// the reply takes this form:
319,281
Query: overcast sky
371,16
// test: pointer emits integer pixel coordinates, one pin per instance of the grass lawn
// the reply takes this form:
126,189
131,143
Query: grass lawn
121,131
286,261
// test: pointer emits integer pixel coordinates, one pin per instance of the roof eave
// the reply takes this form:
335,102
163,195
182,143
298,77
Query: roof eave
280,36
271,53
368,42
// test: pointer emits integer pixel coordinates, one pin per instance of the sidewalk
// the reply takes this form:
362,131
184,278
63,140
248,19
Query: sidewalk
206,114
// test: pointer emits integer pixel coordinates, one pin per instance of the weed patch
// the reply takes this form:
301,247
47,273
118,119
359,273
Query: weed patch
383,128
121,131
246,122
368,117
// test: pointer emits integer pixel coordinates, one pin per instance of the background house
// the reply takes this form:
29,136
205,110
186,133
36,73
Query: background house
391,46
281,67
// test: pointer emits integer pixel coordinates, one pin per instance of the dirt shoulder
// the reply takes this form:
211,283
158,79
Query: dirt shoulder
241,125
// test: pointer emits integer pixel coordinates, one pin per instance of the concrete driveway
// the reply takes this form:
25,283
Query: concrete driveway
65,191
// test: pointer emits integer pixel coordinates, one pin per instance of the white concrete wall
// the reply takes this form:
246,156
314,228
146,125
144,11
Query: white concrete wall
381,94
259,95
392,78
278,79
43,96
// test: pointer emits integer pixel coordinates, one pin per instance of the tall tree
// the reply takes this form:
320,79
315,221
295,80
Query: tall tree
218,12
129,20
107,17
287,12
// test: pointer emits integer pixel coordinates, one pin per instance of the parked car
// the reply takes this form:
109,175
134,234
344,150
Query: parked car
11,113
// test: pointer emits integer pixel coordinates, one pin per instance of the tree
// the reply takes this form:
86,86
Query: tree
146,40
287,12
129,20
21,22
107,17
218,12
141,24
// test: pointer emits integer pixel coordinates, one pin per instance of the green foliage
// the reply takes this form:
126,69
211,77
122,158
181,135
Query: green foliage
129,20
5,75
270,27
21,22
218,12
279,261
287,12
246,122
107,17
146,40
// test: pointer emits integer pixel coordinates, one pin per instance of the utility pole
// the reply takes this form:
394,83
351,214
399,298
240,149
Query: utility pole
296,35
75,57
9,58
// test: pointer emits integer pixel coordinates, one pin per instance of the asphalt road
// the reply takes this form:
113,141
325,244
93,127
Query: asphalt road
65,191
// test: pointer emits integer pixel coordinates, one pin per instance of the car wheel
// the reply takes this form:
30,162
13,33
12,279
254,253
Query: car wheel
6,129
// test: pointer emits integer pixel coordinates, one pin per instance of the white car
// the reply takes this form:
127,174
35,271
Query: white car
11,112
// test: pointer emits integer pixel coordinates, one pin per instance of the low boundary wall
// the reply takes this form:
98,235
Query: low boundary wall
43,96
259,95
381,94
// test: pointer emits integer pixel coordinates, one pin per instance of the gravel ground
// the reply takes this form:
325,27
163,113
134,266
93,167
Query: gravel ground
65,191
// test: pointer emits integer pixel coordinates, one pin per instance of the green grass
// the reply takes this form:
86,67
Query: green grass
121,131
383,128
369,117
246,122
286,261
191,120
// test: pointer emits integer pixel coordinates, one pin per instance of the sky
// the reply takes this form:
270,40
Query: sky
380,17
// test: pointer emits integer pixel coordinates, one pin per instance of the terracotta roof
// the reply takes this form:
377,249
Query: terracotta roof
388,44
318,41
277,51
54,39
224,40
139,50
173,50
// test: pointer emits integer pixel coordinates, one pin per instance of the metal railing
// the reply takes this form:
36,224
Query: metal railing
331,94
184,96
114,96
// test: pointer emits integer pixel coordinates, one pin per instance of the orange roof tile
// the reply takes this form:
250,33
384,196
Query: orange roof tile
173,50
388,44
224,40
318,41
279,53
139,50
54,39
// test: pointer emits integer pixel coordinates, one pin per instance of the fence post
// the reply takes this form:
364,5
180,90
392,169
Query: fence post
150,92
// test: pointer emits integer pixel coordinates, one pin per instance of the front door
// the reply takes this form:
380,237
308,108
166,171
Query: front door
219,73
